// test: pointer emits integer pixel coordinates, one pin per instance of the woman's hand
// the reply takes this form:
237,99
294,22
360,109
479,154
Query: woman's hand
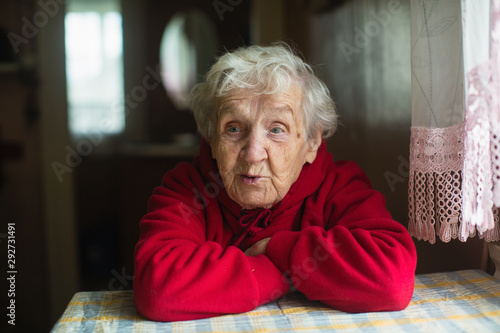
258,248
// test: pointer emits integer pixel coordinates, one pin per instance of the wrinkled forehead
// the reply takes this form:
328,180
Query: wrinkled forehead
287,100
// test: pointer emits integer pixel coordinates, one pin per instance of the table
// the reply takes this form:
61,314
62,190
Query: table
461,301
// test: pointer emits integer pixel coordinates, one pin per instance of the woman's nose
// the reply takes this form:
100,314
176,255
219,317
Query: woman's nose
254,150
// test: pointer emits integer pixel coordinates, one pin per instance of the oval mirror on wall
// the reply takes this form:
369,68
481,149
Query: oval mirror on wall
187,50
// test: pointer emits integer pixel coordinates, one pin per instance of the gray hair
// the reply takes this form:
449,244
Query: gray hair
263,70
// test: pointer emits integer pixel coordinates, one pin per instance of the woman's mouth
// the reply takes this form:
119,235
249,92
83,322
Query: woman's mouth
250,179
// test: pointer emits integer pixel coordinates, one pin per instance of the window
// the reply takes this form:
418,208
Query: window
94,67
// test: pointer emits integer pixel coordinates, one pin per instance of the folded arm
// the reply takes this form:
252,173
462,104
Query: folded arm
180,275
360,260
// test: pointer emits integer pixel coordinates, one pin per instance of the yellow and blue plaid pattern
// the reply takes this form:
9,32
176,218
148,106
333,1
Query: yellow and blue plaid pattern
462,301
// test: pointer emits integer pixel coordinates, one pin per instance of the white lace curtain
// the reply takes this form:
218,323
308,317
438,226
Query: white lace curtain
454,185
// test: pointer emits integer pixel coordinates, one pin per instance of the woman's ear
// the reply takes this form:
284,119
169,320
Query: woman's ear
314,144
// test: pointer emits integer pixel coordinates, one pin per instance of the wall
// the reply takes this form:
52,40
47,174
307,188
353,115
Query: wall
361,48
33,115
20,204
20,196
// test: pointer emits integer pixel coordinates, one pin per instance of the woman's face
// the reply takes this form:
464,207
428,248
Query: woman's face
260,145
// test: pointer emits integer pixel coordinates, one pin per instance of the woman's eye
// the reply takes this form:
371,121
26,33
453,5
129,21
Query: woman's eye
233,129
276,130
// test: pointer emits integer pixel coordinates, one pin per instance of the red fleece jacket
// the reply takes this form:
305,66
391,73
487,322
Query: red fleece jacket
331,235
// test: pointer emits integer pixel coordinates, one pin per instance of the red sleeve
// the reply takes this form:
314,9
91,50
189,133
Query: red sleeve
361,260
179,274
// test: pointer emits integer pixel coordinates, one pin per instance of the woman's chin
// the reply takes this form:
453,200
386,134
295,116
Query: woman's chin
252,196
251,203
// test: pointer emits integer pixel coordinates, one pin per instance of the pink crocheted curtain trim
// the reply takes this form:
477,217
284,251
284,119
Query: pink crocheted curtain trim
454,185
437,188
435,198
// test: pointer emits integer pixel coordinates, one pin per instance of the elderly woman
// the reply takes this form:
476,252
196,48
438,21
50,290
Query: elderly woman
264,209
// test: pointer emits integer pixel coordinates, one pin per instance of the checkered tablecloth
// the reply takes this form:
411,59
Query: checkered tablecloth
462,301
